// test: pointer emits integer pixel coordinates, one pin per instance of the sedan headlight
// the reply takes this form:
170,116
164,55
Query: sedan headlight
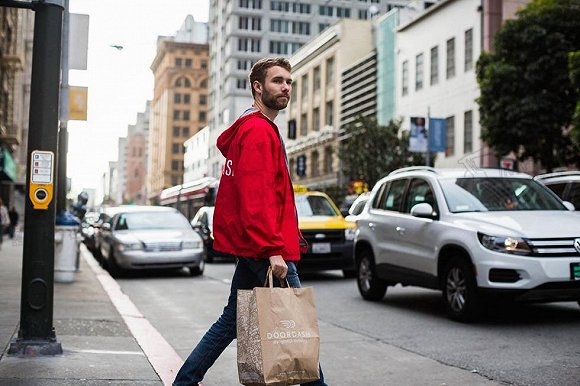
191,245
132,246
349,234
505,244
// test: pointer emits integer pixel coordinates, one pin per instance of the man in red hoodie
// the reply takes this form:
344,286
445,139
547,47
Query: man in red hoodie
255,215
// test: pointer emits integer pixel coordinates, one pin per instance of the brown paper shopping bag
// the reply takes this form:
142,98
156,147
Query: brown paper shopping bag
278,338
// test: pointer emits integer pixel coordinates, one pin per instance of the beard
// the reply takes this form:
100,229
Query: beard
273,102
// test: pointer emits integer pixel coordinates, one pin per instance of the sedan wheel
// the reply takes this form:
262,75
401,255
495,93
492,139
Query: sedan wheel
462,301
369,285
197,270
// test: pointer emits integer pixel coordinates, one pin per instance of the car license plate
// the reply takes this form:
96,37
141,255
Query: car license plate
321,248
575,271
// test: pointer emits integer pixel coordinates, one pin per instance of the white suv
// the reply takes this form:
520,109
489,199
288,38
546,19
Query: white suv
474,236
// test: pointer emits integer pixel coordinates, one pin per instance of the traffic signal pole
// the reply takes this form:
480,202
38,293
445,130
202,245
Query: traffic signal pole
36,335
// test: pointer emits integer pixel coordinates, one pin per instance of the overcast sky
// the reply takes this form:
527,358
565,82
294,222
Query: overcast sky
119,81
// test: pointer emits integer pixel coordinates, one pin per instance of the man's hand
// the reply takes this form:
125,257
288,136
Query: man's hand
279,267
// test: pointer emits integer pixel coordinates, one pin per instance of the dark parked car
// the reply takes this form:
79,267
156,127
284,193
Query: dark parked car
202,223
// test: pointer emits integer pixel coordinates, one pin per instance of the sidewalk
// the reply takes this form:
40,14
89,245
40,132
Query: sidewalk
98,346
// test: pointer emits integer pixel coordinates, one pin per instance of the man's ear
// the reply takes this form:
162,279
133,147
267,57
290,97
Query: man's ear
257,86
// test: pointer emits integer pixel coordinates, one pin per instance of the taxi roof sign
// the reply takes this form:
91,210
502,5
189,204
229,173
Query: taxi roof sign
300,188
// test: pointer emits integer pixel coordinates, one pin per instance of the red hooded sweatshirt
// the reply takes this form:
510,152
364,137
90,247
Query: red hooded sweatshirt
255,214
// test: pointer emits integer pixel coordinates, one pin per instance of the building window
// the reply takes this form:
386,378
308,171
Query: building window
450,150
203,65
176,131
176,115
316,119
203,83
177,98
280,26
329,114
343,12
434,65
174,165
186,99
175,148
316,80
241,84
469,49
450,58
250,23
419,72
315,164
182,82
304,89
325,10
327,160
405,78
203,100
186,115
202,116
303,126
253,4
330,71
188,63
186,131
178,62
468,132
249,45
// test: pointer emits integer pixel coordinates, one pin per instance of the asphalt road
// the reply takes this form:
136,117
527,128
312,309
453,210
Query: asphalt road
514,345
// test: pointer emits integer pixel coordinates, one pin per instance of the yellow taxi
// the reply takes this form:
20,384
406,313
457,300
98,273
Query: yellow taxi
330,237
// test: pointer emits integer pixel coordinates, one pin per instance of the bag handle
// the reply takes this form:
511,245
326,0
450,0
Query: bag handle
270,280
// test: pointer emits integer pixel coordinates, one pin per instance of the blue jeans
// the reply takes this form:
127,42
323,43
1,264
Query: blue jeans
249,273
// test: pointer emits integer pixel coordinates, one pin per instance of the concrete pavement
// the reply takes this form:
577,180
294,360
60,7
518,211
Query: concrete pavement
107,341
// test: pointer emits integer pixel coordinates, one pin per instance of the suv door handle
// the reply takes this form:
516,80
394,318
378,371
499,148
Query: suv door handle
400,230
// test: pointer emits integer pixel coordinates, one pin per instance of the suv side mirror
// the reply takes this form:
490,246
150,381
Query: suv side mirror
423,210
569,206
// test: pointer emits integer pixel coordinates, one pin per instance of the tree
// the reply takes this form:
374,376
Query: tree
369,151
527,98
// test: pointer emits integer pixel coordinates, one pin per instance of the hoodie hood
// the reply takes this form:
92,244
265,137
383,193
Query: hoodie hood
225,139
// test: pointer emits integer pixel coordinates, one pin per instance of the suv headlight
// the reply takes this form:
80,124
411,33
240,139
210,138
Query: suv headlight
191,245
505,244
349,234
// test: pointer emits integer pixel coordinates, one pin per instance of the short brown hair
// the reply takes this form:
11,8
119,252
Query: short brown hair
259,69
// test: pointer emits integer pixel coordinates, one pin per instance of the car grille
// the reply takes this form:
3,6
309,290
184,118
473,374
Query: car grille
557,247
315,236
163,247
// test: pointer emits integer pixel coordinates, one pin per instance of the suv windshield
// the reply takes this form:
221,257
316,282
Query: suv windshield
497,194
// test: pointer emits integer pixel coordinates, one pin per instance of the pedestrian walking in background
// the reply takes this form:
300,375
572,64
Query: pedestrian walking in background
14,216
4,221
255,216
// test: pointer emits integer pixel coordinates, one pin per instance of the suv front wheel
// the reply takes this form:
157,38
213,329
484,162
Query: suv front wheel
369,285
462,301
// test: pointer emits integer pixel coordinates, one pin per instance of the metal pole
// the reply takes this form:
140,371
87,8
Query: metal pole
61,188
36,335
